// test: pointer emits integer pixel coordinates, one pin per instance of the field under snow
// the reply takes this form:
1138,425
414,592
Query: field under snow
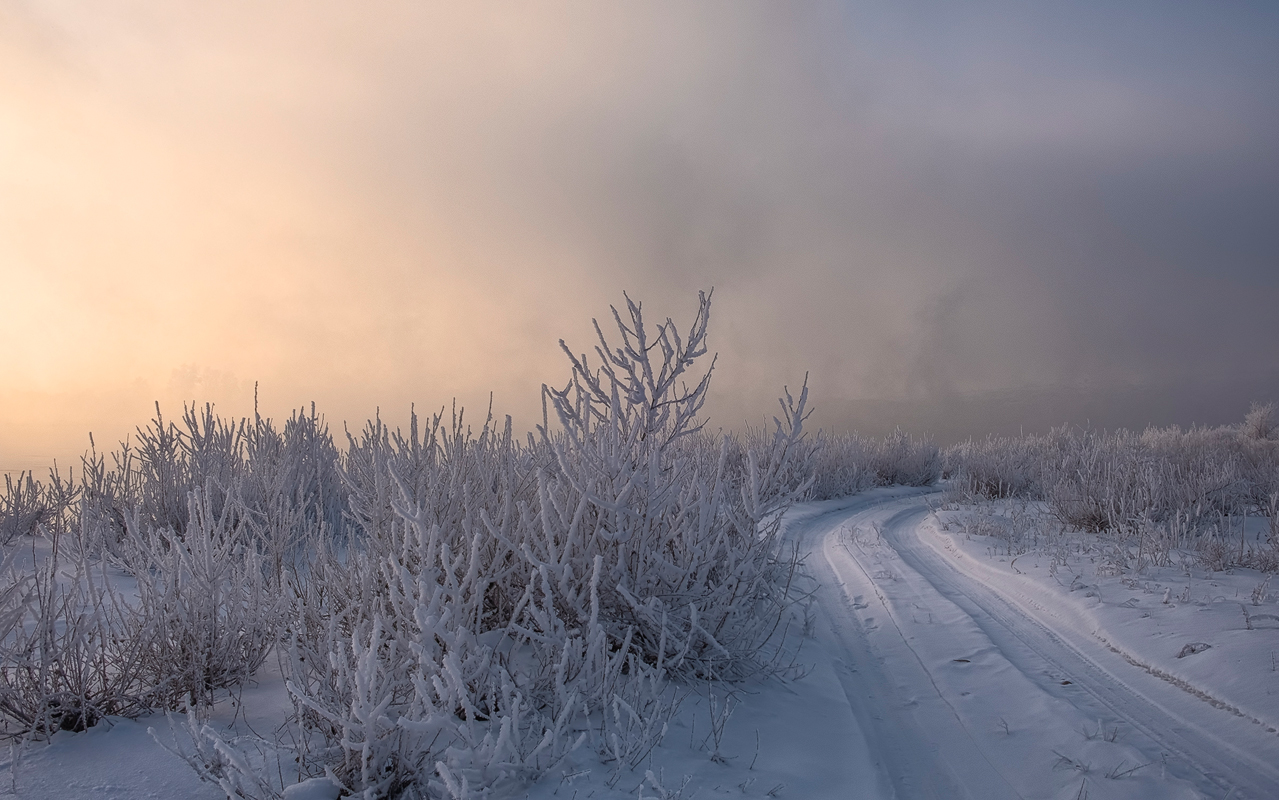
951,651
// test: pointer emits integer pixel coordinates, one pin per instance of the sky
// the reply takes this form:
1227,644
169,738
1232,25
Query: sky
959,219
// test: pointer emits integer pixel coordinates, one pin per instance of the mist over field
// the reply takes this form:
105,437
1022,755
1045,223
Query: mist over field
960,221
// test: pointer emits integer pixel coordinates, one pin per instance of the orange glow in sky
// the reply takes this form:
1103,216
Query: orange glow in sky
958,220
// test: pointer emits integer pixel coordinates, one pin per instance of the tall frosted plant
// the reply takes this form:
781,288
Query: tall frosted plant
847,463
689,544
207,612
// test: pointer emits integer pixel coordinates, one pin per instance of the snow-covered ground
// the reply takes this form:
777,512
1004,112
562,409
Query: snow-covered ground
940,664
1015,685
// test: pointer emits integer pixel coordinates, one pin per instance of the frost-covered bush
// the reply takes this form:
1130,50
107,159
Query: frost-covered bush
507,602
289,481
997,467
686,524
841,466
64,658
207,610
21,507
847,463
294,477
74,647
1102,481
456,609
1165,488
1261,422
900,459
28,503
208,575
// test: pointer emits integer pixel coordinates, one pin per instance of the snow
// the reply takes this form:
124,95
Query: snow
940,664
1160,619
313,789
114,760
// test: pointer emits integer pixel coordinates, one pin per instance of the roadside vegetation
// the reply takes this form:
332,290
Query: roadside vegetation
456,609
453,608
1165,493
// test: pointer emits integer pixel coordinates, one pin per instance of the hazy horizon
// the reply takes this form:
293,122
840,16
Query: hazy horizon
957,220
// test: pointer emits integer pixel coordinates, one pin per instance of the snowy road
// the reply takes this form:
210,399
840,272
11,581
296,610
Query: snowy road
966,687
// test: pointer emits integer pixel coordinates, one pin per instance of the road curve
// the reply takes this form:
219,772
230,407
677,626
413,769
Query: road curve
965,692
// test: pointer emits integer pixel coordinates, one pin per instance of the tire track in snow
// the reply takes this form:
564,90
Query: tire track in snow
896,692
1215,750
881,683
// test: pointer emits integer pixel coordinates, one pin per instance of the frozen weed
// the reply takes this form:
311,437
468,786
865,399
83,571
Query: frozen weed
720,712
1109,735
662,793
1117,772
1259,592
1066,762
222,762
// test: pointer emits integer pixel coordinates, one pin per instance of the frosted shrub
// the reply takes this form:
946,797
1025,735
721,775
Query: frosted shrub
394,659
997,467
689,544
105,495
295,473
841,466
847,463
1095,481
28,503
1100,481
208,518
206,614
163,476
65,654
506,603
1257,466
457,610
21,507
1261,423
1159,490
72,649
408,658
289,481
900,459
291,489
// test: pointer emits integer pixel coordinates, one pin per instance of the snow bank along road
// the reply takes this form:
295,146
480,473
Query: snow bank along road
968,686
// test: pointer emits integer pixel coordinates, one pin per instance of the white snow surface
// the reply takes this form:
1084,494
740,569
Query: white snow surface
937,666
